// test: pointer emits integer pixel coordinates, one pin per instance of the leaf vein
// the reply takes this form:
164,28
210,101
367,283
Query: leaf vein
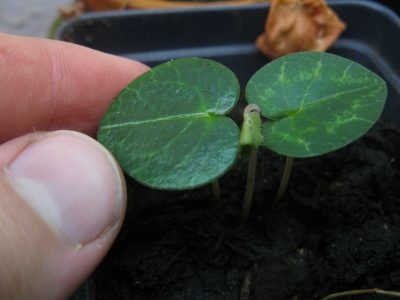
155,120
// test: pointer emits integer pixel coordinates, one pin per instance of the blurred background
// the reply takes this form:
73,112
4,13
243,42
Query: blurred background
35,18
27,17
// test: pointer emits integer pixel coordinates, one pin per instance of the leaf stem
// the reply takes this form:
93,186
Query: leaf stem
364,291
251,178
216,190
287,170
250,139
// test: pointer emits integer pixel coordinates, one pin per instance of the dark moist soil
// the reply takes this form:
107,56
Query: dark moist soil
337,228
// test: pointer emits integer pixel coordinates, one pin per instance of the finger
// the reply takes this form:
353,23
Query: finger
62,204
47,85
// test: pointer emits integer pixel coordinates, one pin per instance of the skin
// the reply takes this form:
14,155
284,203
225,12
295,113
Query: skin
60,85
47,86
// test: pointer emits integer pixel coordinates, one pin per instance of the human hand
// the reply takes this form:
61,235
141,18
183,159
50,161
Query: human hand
62,195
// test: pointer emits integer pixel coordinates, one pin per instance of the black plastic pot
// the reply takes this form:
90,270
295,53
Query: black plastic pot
227,34
393,4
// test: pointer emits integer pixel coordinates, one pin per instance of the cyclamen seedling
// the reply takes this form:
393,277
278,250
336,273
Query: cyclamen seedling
169,129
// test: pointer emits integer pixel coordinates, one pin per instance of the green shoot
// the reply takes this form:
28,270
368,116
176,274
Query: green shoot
287,170
250,140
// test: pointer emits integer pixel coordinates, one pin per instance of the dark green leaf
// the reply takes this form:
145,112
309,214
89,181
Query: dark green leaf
168,128
315,102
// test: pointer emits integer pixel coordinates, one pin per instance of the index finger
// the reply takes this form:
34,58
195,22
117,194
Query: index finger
49,85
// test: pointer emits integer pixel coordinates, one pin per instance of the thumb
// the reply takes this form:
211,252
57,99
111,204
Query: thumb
62,201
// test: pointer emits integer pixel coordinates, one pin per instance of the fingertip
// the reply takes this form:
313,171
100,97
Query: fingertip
72,182
62,85
73,196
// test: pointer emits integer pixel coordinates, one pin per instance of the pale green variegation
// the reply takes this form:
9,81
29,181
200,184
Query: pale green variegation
168,128
315,102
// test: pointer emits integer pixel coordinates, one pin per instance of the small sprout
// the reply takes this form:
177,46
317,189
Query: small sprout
250,140
250,135
169,129
314,103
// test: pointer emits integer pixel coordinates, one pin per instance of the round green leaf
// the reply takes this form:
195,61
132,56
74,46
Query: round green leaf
315,102
168,127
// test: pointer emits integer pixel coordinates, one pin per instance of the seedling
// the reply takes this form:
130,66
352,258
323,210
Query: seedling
169,128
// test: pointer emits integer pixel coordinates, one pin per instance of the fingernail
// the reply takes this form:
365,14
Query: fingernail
72,182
